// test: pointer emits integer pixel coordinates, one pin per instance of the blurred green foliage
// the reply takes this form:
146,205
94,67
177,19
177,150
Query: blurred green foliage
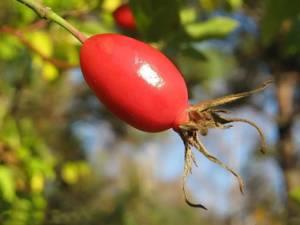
157,20
217,27
282,23
45,176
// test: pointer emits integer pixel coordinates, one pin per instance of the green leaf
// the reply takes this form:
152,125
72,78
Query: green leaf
9,133
276,11
215,65
235,4
292,43
70,5
73,171
19,213
42,42
191,51
37,182
25,16
9,47
188,15
295,194
50,72
217,27
93,27
7,184
110,5
209,5
156,19
69,173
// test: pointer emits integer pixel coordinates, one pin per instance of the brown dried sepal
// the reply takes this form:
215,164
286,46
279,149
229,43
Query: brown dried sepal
204,116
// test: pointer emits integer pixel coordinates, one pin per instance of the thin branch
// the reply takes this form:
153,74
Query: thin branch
58,63
39,24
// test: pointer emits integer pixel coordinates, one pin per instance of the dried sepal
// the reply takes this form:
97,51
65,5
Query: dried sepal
208,104
204,116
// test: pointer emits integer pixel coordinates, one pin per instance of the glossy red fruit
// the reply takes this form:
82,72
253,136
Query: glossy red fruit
142,87
135,81
123,16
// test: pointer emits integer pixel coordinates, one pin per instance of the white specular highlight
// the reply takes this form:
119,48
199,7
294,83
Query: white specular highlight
150,75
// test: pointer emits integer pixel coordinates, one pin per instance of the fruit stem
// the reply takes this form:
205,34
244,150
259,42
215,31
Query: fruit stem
48,14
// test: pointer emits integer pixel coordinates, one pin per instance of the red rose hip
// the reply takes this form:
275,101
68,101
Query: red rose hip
143,87
135,81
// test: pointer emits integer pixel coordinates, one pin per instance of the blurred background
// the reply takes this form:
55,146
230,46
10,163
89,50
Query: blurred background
64,159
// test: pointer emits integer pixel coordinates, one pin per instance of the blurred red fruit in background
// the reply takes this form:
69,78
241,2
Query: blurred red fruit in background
124,18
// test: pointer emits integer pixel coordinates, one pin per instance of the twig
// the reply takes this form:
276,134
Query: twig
58,63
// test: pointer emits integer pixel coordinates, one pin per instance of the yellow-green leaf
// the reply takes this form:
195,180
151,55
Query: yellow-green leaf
37,183
9,47
7,184
235,4
208,5
216,27
69,173
41,41
50,72
295,194
110,5
188,15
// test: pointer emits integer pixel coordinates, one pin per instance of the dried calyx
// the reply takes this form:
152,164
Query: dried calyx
204,116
